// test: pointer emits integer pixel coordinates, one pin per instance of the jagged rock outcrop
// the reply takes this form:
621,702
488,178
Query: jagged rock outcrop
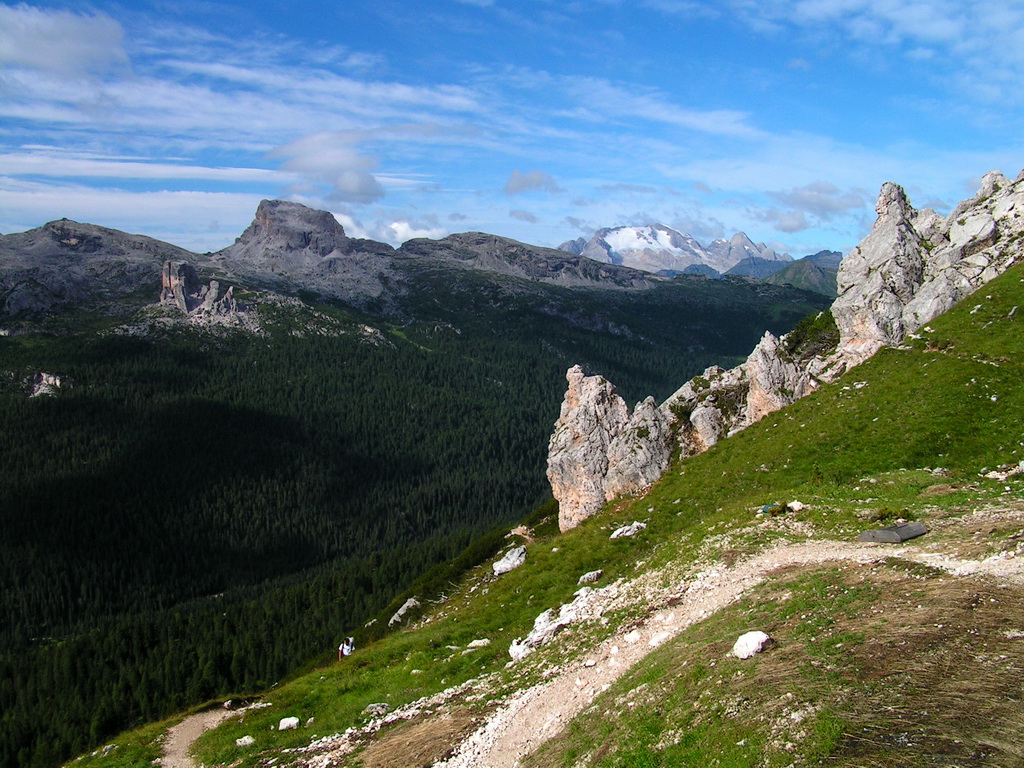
598,450
180,287
44,384
288,244
912,267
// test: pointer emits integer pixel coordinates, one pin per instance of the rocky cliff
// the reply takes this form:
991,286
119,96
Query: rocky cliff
912,267
181,288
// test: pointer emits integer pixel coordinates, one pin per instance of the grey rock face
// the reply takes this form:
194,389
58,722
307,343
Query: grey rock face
65,264
290,245
598,450
181,288
912,267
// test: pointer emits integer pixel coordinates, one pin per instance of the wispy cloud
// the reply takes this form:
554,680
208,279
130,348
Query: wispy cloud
56,164
813,204
523,216
519,182
974,47
648,104
61,42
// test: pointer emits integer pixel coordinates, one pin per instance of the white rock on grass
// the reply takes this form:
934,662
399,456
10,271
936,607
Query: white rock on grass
245,741
588,604
407,606
481,643
288,724
590,577
628,531
750,643
512,560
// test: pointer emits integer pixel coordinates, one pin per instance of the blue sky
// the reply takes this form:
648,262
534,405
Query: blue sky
533,119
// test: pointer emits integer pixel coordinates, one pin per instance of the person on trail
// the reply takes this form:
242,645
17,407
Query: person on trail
347,646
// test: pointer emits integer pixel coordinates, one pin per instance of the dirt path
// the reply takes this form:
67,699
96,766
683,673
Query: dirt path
538,713
182,736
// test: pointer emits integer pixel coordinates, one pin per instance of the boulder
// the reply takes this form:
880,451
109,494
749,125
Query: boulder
512,560
894,534
750,643
590,577
376,710
246,741
288,724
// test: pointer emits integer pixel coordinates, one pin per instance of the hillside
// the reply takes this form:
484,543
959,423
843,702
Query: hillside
888,654
812,273
891,653
200,449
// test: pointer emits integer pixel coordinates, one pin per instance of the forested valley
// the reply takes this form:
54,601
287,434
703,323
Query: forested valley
194,516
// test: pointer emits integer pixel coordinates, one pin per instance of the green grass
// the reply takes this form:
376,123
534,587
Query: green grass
860,453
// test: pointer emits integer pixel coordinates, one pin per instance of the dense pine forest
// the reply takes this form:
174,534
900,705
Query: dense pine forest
193,516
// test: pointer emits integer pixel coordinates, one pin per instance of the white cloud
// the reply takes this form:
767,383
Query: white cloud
325,159
60,42
519,182
972,47
56,164
397,232
822,200
523,216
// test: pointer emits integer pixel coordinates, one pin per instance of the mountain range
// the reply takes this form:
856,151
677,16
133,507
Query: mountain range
662,250
825,566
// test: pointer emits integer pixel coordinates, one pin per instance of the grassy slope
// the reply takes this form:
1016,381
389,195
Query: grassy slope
876,665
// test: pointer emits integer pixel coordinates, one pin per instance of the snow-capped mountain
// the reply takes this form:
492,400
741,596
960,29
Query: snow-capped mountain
657,248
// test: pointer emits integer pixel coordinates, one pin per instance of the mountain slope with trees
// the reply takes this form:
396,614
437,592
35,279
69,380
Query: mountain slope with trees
186,494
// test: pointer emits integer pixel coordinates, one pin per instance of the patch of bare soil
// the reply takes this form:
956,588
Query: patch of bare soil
419,744
181,737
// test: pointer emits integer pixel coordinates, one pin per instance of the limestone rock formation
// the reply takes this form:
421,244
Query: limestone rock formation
181,288
912,267
44,384
598,450
67,265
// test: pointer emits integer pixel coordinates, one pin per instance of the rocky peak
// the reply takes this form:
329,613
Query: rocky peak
912,267
280,225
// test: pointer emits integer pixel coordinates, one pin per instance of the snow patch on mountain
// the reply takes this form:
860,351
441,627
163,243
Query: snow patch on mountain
657,248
